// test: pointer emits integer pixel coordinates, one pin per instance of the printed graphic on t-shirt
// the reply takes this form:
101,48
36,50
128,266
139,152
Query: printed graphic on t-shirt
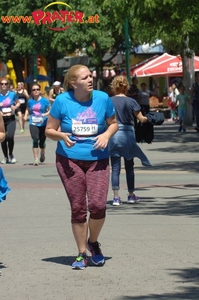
85,125
6,105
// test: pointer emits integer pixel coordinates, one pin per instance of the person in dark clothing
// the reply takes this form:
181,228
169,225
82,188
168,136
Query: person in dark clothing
123,143
133,92
194,99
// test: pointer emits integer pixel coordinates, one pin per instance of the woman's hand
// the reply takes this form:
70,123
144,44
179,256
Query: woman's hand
66,138
101,141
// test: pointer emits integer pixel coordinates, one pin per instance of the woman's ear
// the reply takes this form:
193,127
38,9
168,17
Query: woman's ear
72,83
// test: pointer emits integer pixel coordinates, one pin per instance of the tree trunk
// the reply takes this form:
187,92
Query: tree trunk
99,77
188,77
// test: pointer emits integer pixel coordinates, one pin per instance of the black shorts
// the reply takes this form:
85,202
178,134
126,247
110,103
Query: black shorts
21,108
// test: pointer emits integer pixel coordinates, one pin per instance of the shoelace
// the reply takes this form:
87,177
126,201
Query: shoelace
96,248
80,257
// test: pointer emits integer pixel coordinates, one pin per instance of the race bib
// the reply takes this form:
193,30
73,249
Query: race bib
6,109
37,119
84,127
22,101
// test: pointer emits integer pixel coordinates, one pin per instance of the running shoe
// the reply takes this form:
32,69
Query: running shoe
22,130
117,201
42,157
4,161
81,262
132,199
12,159
36,162
96,254
184,129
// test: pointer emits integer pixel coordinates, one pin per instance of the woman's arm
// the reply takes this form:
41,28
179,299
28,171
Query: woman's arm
140,117
50,96
2,129
26,114
54,134
26,94
102,139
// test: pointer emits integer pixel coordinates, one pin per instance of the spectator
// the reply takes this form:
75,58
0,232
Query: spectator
194,97
182,100
143,98
172,102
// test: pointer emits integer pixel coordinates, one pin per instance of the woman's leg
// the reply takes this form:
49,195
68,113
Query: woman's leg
72,176
4,147
196,111
20,120
130,176
34,132
11,127
42,142
115,175
130,179
97,180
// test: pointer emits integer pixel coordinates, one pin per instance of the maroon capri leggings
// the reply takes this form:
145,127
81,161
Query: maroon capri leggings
84,180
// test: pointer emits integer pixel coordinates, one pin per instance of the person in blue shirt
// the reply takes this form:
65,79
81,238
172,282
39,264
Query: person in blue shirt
8,104
38,108
86,119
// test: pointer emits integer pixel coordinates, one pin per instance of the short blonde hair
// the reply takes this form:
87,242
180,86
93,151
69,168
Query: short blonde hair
119,85
72,75
5,78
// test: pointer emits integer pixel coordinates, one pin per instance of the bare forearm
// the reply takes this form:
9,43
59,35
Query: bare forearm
111,130
54,134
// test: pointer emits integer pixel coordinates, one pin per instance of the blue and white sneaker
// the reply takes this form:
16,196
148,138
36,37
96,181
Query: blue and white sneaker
117,201
132,199
97,256
81,262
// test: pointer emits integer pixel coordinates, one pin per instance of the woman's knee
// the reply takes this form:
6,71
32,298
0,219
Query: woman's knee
35,144
97,212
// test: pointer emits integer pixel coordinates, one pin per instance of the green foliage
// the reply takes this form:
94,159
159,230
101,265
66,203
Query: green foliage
169,20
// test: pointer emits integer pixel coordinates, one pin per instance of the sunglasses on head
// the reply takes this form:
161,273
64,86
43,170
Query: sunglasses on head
4,83
35,90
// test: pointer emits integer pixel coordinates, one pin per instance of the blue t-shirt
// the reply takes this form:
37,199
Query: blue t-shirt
84,120
7,101
36,109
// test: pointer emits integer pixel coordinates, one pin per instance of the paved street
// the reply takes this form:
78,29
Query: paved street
151,248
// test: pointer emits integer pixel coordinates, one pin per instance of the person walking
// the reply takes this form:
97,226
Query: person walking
123,143
194,98
182,100
86,118
38,108
133,92
144,98
23,97
8,105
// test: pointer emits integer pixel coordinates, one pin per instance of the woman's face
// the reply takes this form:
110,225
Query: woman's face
19,85
84,81
35,90
4,85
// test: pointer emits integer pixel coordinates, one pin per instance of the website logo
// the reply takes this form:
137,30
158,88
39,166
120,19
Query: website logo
49,18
